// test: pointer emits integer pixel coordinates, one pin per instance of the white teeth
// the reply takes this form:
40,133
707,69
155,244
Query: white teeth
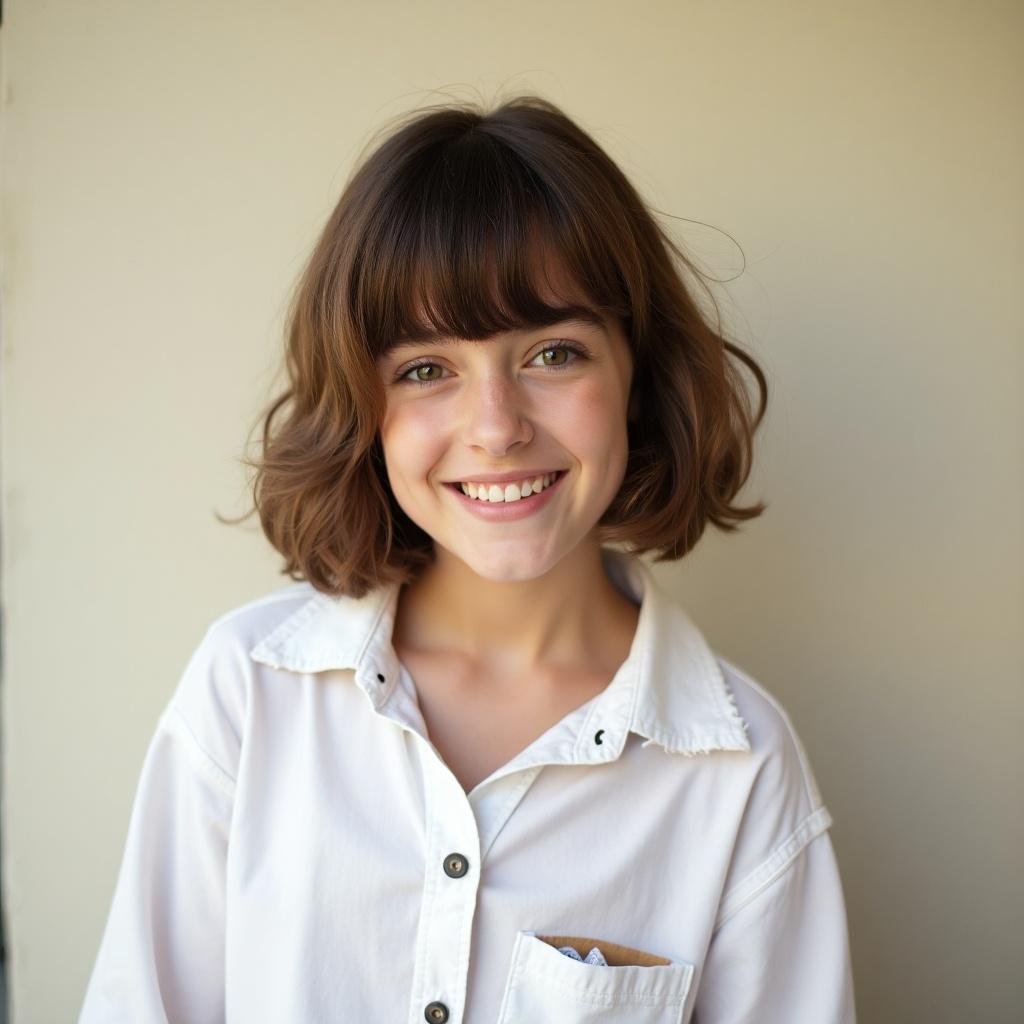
508,492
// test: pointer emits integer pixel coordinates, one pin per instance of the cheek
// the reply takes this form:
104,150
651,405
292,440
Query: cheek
592,421
412,438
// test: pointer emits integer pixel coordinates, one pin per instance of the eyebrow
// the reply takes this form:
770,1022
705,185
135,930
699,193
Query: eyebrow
561,316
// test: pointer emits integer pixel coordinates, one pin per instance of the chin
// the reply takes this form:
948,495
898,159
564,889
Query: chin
511,566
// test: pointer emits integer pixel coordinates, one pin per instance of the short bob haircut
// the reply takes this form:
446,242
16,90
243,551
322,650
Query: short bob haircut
439,229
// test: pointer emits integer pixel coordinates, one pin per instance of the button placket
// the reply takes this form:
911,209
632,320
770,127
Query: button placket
450,890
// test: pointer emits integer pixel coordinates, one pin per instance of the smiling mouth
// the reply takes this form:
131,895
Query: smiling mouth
507,494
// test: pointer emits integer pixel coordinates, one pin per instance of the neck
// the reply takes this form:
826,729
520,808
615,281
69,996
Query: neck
567,617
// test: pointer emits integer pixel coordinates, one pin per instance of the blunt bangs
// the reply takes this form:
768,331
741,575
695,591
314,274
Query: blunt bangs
474,241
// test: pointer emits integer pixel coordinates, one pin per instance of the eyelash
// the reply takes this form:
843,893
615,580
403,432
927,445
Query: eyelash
404,378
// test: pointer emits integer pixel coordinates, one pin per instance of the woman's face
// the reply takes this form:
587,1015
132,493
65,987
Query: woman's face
524,403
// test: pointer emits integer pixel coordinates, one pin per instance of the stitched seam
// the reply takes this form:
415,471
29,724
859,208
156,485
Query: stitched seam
633,997
371,633
776,865
289,625
175,724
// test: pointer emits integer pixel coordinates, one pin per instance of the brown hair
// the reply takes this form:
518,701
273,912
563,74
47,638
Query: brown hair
439,229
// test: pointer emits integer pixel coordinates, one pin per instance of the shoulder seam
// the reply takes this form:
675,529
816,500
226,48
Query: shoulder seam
174,723
774,866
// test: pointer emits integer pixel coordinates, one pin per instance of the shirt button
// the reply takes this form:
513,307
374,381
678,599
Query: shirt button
436,1013
455,866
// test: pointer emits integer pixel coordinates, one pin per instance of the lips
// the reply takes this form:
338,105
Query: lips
504,478
508,511
555,474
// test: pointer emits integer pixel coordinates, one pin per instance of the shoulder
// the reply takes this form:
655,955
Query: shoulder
244,625
783,810
208,707
222,654
776,747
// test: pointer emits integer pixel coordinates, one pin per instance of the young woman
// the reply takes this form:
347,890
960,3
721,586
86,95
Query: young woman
475,765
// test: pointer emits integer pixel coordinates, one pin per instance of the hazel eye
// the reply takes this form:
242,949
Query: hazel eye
414,375
571,354
555,351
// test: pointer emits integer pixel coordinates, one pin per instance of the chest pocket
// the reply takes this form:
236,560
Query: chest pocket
545,986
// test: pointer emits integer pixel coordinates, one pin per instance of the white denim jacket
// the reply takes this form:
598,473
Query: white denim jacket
299,852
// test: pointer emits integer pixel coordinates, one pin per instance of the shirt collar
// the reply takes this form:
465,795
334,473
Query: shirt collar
670,690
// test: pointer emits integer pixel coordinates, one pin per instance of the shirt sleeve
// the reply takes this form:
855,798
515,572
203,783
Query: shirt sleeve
780,954
161,956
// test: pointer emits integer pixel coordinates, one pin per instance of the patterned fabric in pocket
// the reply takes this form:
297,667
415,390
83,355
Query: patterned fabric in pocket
545,986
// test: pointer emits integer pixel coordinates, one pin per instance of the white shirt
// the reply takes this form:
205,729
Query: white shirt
299,852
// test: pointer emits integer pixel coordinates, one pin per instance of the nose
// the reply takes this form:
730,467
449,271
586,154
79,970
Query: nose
494,416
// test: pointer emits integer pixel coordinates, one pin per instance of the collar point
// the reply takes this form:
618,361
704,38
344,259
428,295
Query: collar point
265,655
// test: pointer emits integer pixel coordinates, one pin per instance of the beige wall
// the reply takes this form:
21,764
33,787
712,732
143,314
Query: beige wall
165,168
